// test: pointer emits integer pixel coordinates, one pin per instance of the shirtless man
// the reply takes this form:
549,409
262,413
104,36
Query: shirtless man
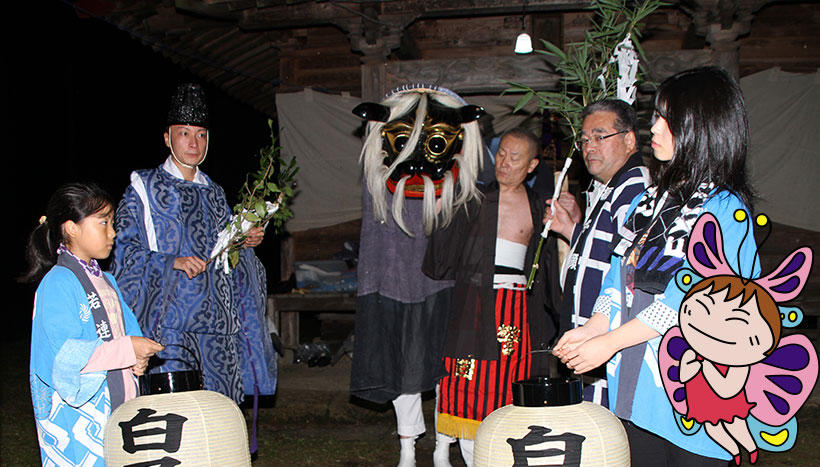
494,323
515,160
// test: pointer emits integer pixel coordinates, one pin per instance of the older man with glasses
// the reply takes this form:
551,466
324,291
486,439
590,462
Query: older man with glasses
609,143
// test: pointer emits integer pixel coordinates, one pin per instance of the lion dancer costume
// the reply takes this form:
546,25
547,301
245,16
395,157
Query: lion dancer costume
217,316
423,146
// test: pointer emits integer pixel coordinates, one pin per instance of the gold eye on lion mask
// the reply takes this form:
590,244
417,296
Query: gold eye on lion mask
397,134
439,138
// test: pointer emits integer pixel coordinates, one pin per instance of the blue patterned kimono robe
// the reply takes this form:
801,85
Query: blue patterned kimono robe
218,316
70,407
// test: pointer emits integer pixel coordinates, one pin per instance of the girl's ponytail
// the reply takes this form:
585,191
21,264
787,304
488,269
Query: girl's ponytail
71,202
41,253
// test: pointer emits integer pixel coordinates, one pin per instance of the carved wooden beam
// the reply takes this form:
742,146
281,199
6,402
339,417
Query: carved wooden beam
725,14
211,9
723,22
272,14
290,16
662,65
492,74
474,74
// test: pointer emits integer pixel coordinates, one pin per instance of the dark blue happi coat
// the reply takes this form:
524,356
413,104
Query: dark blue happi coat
219,316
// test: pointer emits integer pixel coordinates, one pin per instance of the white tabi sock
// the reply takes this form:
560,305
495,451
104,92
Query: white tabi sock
407,456
466,450
441,455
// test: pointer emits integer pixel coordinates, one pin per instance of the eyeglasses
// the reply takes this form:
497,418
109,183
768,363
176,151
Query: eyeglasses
582,142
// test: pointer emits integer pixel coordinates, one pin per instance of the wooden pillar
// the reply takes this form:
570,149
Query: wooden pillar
375,45
287,322
725,46
723,23
287,257
373,80
289,328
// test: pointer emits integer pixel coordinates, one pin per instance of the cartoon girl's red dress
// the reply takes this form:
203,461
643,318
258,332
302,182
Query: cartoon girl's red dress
704,405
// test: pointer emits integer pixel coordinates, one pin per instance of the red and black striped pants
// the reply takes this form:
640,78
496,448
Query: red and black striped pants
464,398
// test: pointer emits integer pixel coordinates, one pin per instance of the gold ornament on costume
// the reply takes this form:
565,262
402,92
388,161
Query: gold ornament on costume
509,337
465,368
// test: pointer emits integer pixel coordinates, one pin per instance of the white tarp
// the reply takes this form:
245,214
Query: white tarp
320,130
784,156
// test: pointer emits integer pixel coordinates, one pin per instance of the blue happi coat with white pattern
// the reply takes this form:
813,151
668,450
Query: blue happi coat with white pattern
71,407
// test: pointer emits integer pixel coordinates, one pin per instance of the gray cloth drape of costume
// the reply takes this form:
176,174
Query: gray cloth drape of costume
401,314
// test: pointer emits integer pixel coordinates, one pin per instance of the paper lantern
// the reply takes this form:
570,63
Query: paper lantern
549,424
188,428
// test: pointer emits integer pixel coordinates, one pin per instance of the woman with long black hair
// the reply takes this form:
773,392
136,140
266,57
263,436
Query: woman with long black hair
699,140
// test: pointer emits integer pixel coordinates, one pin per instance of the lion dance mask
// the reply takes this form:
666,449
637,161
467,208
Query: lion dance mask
422,142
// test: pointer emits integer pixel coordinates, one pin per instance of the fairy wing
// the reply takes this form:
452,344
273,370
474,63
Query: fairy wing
788,279
781,383
673,345
704,249
773,438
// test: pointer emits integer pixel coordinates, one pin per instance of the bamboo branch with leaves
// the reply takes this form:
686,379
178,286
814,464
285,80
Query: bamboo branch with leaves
587,74
263,200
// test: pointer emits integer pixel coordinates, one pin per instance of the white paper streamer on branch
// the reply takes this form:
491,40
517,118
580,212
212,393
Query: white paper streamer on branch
627,59
230,233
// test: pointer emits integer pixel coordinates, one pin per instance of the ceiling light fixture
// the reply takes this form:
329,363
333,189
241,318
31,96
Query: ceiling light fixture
523,43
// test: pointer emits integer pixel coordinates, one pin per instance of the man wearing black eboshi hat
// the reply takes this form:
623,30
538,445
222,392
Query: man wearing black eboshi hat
167,224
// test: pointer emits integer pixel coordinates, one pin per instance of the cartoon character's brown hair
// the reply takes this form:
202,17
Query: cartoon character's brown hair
747,290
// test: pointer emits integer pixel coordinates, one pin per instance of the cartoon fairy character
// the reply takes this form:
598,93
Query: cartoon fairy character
726,366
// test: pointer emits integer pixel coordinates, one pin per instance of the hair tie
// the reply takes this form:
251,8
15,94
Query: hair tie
42,220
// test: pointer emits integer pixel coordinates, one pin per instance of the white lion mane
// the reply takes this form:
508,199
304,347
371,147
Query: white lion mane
376,174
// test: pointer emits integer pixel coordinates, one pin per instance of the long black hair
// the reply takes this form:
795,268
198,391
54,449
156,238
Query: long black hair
707,117
71,202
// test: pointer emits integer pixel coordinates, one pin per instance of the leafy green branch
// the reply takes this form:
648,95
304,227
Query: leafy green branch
263,201
586,72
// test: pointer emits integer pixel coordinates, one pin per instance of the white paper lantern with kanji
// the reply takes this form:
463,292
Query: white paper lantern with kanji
186,428
549,424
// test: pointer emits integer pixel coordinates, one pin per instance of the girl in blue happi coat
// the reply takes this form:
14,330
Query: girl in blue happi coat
86,346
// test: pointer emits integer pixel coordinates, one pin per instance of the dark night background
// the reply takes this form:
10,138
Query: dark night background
84,101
